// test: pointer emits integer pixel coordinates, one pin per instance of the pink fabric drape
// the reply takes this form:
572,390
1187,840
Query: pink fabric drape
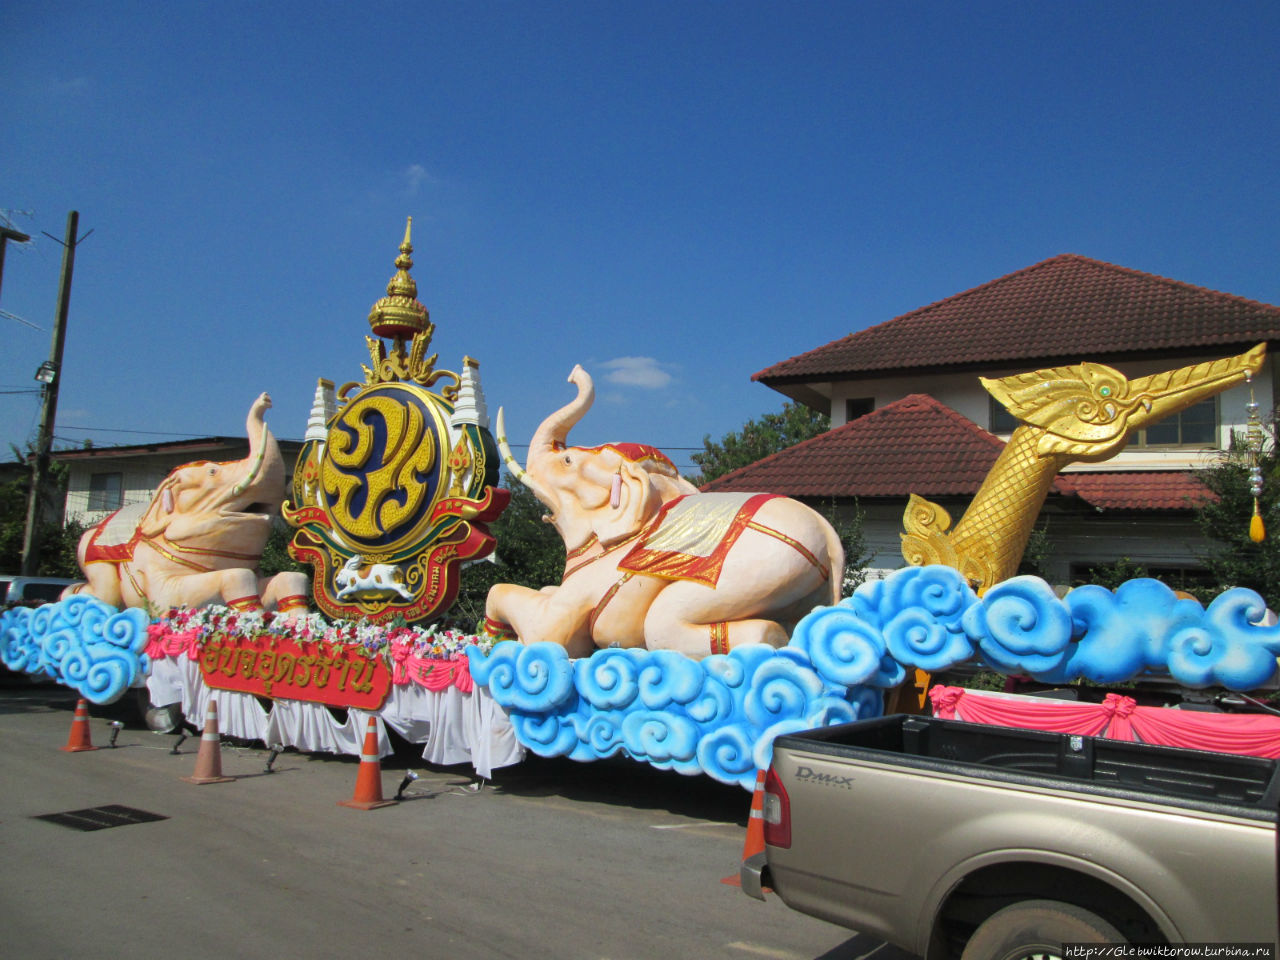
1117,717
162,642
431,672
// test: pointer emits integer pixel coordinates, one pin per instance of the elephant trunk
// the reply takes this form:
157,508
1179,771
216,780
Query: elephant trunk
554,430
264,466
256,428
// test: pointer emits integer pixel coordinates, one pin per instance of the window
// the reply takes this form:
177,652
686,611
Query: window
1195,426
1002,421
853,409
106,491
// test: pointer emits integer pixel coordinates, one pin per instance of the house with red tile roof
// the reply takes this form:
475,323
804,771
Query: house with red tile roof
908,414
101,480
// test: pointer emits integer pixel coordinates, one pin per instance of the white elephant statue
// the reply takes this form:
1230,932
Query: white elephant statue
200,538
651,562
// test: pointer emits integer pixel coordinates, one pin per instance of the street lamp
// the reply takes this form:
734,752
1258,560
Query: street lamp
47,373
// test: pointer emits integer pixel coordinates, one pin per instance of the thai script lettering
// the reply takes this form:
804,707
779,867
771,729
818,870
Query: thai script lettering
340,675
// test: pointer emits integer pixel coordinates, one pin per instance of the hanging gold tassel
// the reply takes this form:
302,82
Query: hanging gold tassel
1253,440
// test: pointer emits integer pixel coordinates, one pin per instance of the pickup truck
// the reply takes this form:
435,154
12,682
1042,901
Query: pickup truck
953,839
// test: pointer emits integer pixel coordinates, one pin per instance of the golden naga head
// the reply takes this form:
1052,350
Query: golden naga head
1088,410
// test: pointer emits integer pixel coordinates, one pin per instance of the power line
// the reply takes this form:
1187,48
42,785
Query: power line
148,433
13,316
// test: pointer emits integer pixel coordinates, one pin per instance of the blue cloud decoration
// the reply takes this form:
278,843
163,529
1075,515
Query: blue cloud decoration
81,642
719,716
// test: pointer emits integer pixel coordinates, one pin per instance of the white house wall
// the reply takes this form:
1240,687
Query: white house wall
141,476
138,485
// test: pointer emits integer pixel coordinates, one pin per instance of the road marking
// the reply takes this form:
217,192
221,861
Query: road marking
760,951
681,826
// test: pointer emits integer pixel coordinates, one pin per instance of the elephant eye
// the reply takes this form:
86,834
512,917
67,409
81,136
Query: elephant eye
568,459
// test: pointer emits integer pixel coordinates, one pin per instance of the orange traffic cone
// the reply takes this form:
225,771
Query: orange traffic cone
755,828
209,759
368,793
79,739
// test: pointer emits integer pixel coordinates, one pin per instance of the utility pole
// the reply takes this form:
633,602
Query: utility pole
49,375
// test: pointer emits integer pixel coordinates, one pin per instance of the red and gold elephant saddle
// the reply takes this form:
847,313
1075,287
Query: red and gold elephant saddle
115,537
691,536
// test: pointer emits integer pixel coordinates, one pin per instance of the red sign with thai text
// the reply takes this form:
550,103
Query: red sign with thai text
340,675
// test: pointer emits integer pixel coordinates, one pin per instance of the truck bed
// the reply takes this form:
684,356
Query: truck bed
1188,778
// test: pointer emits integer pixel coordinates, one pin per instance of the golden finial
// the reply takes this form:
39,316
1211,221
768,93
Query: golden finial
399,315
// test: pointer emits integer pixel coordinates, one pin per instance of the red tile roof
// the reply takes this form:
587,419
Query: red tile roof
1163,490
913,445
918,445
1064,308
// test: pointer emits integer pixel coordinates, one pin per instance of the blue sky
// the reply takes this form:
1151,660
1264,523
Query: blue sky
675,195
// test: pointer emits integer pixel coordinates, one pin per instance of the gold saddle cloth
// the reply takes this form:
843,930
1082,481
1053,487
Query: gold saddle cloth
690,537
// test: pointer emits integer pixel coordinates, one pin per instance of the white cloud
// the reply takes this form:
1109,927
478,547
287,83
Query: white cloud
643,372
415,175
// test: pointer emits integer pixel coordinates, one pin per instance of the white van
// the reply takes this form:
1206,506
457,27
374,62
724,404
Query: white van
16,591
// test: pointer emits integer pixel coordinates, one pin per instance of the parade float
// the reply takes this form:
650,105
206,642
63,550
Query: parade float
689,629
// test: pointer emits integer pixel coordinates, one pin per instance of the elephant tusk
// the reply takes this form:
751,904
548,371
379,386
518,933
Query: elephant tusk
615,494
239,489
514,467
516,470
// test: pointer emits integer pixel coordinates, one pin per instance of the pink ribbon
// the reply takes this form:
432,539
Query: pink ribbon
944,700
1116,705
400,655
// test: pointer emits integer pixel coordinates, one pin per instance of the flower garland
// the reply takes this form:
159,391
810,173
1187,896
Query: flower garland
184,630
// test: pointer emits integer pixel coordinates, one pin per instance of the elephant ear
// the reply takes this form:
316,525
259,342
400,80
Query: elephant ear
635,501
162,510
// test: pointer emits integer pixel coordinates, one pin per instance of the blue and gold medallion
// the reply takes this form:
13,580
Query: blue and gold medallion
395,485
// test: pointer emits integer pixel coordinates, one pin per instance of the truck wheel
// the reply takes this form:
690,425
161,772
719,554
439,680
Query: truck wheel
1037,929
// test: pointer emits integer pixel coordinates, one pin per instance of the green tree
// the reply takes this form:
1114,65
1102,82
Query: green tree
1038,552
850,526
1234,560
55,544
1111,575
275,555
758,439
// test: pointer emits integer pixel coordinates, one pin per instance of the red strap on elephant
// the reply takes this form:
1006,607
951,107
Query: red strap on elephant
248,604
720,637
604,602
791,542
295,601
498,630
634,452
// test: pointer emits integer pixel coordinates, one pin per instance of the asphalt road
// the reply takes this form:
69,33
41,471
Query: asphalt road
553,859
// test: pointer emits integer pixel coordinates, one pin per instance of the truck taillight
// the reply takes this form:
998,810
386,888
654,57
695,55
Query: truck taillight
777,812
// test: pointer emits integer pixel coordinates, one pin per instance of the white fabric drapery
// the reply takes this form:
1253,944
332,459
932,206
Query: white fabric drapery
454,727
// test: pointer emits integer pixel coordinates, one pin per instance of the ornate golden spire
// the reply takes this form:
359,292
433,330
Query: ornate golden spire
399,315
